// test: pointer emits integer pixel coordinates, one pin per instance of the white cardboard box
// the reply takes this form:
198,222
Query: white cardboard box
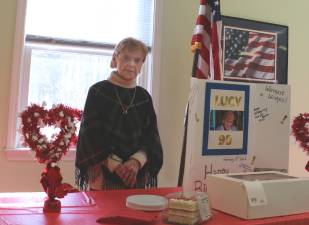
258,194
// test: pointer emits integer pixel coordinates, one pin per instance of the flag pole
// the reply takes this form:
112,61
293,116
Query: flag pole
183,149
184,141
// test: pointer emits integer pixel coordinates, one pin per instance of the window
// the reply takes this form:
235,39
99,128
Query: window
62,47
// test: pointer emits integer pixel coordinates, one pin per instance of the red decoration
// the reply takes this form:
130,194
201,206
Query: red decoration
51,181
33,119
300,129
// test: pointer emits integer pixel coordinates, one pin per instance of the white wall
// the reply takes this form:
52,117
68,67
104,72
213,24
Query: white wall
176,61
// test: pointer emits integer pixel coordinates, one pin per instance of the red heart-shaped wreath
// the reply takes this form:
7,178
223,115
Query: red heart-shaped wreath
35,117
300,130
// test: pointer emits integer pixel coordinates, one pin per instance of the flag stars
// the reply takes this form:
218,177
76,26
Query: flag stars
235,42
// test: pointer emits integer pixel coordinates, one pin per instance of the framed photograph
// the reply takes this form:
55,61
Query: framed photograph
254,51
226,117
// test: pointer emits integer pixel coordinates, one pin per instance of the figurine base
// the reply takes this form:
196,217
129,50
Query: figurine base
52,205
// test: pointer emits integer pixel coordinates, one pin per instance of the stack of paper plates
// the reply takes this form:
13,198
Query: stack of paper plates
146,202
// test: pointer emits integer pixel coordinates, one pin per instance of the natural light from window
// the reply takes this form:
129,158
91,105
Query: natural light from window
64,77
93,20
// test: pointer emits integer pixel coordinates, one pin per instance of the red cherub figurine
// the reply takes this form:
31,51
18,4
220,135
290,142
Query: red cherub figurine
51,181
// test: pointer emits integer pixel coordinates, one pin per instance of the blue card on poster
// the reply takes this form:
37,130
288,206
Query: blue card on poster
226,117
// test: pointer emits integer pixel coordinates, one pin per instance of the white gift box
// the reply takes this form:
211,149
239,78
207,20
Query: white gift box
258,194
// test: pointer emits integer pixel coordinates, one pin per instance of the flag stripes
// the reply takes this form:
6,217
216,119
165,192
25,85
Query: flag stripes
206,41
249,54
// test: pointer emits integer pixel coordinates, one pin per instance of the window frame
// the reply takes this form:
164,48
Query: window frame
17,78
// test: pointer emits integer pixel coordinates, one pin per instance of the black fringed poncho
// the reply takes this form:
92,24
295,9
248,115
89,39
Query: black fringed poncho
105,129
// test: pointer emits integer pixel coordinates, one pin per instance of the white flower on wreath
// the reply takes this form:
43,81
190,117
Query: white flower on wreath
61,114
66,142
67,136
34,137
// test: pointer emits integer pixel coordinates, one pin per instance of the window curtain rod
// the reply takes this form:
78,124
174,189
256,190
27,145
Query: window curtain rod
69,42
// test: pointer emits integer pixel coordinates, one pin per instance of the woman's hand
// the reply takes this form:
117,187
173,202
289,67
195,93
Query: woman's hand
128,171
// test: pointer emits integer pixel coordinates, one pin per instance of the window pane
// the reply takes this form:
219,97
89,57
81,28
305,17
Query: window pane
65,77
92,20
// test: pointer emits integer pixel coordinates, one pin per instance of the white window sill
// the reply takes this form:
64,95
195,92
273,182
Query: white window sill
25,154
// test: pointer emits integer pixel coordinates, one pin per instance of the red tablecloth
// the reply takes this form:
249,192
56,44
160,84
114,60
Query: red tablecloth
80,209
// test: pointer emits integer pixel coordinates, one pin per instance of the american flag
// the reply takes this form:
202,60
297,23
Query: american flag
206,41
249,54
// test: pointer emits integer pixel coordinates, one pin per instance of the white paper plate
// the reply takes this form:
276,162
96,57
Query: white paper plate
147,202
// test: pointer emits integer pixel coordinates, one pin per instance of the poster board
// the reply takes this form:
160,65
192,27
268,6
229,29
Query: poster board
257,140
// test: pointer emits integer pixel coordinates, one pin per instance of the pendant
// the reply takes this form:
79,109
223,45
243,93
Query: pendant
125,111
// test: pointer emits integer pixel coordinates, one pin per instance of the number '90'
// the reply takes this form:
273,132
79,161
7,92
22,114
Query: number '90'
225,139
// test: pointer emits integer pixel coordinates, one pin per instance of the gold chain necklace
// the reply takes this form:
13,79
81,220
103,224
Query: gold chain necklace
125,108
